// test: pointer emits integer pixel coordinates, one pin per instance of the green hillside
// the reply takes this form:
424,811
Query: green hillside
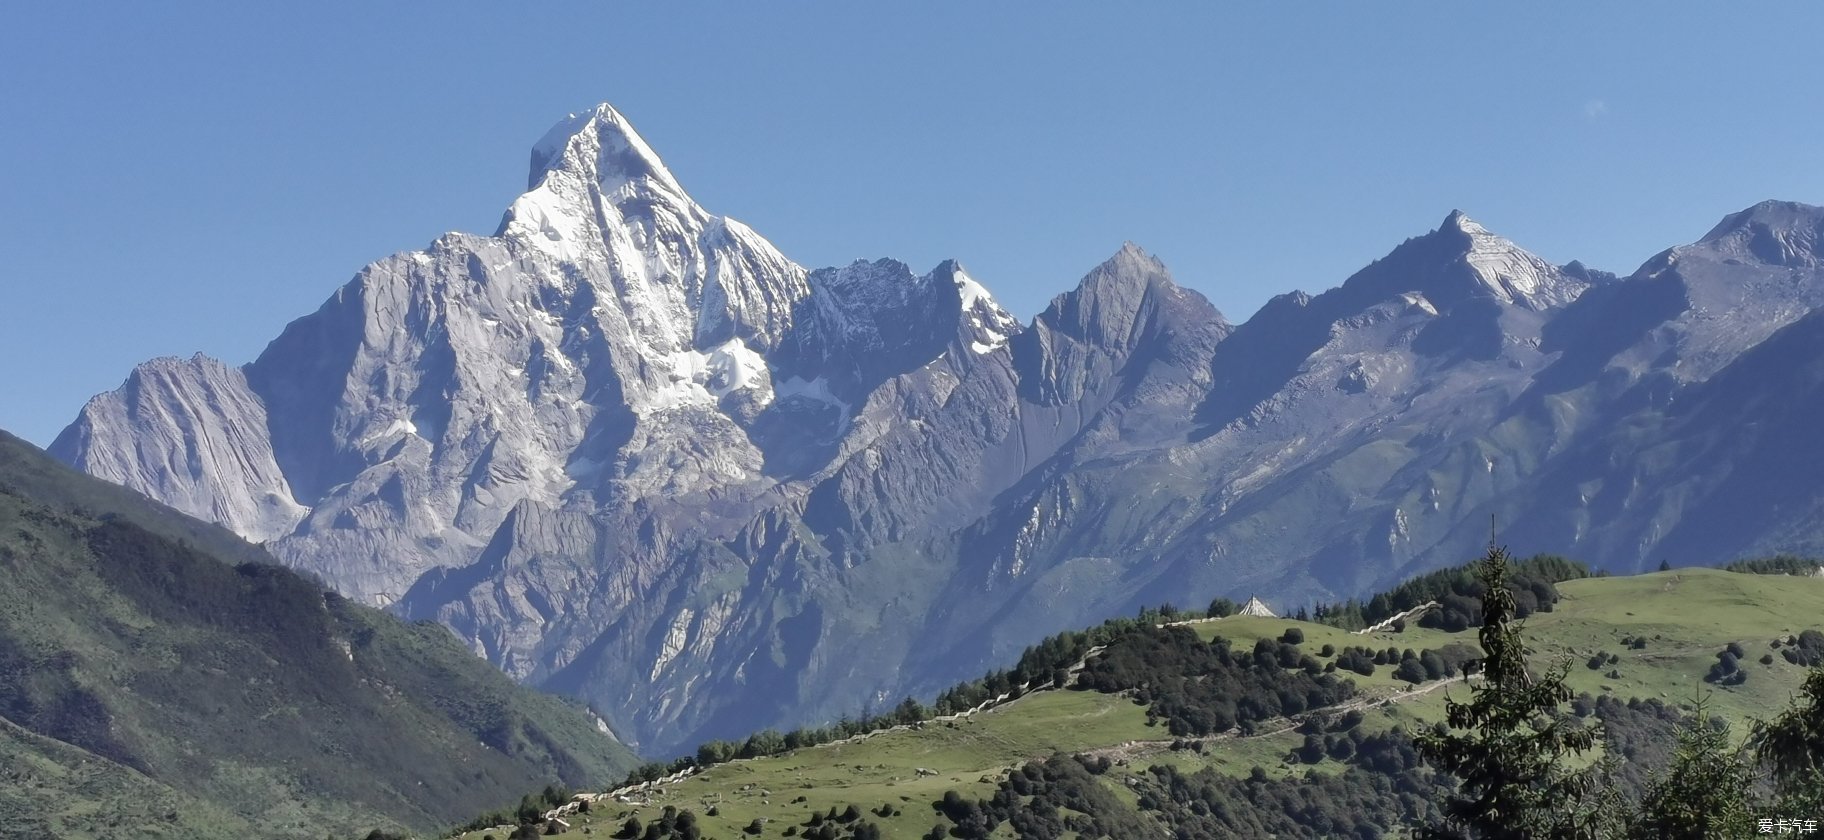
158,679
1664,632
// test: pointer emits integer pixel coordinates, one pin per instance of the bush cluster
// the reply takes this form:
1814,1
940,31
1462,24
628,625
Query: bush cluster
1805,650
1459,593
1199,688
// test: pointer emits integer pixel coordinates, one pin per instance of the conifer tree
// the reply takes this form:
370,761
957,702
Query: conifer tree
1509,743
1707,791
1791,746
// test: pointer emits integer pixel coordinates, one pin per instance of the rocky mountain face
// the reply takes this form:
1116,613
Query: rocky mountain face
627,450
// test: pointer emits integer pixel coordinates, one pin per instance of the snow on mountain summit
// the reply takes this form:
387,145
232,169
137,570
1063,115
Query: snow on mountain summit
599,140
689,279
989,326
612,339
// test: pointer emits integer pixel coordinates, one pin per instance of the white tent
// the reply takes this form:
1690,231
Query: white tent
1254,607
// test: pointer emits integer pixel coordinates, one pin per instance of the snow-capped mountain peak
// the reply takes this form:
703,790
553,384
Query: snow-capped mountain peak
601,142
593,177
686,279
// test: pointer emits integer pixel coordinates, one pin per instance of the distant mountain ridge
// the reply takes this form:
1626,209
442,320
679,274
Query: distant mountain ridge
625,443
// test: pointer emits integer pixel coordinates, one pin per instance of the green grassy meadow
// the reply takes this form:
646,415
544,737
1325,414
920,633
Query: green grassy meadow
1686,616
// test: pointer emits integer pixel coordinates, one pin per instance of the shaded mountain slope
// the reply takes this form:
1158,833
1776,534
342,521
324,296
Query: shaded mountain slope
140,669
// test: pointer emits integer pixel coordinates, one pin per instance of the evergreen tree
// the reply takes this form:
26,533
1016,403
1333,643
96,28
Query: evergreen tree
910,711
1508,743
1707,791
1792,748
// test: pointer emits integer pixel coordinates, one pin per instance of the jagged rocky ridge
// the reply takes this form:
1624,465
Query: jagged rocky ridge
627,450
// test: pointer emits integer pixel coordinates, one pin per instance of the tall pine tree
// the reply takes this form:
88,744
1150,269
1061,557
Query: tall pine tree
1708,791
1508,744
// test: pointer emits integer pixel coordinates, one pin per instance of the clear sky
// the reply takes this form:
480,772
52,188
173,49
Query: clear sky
185,177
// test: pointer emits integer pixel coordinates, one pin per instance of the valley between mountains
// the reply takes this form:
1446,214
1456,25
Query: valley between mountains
631,453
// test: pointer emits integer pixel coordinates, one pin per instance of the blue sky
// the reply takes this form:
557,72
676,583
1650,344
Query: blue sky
175,180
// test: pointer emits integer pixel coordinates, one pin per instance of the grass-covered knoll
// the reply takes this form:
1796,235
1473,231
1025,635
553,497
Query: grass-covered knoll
966,755
1681,620
1663,630
149,686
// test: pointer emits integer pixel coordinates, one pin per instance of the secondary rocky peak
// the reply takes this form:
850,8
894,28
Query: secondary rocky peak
1132,273
1125,325
1593,276
1462,232
1512,274
1785,233
1773,214
984,324
1129,271
883,310
1462,260
1122,305
1132,261
1128,296
198,445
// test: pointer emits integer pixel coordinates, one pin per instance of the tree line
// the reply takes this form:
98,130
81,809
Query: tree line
1458,591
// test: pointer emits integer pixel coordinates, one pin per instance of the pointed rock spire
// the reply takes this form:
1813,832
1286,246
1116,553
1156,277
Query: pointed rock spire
1126,303
1112,300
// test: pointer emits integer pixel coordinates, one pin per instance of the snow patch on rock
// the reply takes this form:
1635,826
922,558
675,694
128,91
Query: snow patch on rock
991,325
